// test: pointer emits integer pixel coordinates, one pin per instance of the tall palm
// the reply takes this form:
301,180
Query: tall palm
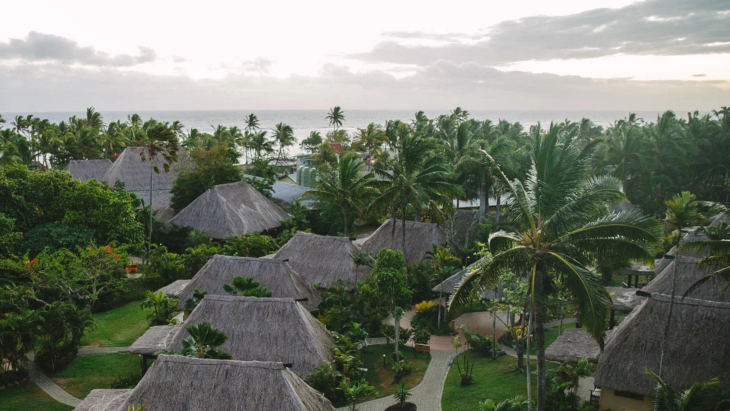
203,342
682,212
160,144
371,138
561,214
252,122
93,119
259,143
348,185
717,247
416,177
284,137
336,117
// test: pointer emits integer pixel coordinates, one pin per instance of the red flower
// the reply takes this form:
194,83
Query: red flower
108,249
128,269
32,263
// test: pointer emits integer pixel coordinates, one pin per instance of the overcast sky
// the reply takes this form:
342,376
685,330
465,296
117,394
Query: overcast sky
395,54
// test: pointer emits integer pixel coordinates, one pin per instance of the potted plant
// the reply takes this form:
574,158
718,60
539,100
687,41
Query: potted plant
401,397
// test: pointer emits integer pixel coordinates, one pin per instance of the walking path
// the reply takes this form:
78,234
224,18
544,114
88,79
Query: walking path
51,388
427,394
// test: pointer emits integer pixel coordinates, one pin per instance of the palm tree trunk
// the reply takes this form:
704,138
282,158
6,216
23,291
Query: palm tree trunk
499,208
344,219
484,196
149,243
403,229
668,326
529,376
541,364
397,337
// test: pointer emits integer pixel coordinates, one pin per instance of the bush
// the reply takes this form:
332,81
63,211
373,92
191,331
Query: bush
481,345
404,335
56,235
421,337
420,280
326,380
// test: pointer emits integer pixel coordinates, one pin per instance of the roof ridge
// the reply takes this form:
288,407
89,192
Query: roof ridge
271,365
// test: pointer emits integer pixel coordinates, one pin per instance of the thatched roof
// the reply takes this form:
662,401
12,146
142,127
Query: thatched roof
463,228
322,259
135,173
160,203
688,272
155,340
231,209
572,345
637,269
274,274
448,286
102,400
184,383
625,299
85,170
420,238
258,329
174,289
696,350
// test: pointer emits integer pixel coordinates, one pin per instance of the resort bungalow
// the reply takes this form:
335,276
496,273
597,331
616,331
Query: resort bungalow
258,329
274,274
462,230
449,285
322,259
231,209
420,238
85,170
176,383
696,348
572,345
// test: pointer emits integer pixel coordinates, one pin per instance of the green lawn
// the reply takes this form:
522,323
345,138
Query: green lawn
497,380
28,397
381,377
118,327
90,372
551,334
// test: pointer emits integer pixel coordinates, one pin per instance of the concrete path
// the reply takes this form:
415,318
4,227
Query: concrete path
427,394
102,350
50,387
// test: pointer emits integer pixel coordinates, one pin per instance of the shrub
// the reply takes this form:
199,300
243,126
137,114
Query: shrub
404,335
326,379
481,345
402,394
421,336
425,306
126,382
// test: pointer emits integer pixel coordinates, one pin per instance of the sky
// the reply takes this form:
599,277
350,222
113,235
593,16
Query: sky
402,54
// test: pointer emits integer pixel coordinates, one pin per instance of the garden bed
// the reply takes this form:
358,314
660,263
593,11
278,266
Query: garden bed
381,377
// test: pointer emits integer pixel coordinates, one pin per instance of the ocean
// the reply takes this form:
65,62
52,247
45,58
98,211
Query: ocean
305,121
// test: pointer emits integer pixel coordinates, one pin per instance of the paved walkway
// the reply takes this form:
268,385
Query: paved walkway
50,387
427,394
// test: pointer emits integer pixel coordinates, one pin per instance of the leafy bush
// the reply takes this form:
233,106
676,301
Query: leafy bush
403,393
481,345
421,336
250,245
420,279
326,379
404,335
341,307
56,235
518,403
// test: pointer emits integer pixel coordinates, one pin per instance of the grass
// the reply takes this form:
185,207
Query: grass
495,379
28,397
90,372
119,327
551,334
381,377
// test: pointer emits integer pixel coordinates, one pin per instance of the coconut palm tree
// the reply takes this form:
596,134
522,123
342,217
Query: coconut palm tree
203,342
561,216
260,144
701,396
252,122
717,247
284,137
370,138
336,117
347,185
246,287
417,177
682,212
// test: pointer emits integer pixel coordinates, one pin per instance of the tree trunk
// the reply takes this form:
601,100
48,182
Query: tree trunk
403,229
671,309
397,337
541,365
519,348
499,208
344,219
529,379
494,333
484,196
149,243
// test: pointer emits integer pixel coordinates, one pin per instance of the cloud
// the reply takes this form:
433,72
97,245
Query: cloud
260,65
37,47
59,87
656,27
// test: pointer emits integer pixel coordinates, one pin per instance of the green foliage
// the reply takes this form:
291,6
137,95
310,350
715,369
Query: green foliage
403,393
518,403
421,280
203,342
250,245
166,266
264,186
9,239
355,390
465,367
212,167
390,279
481,345
60,329
298,217
56,235
340,307
193,302
703,395
404,336
326,379
421,336
312,142
246,287
127,382
163,308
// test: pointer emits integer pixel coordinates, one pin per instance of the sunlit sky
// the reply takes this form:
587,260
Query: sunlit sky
63,55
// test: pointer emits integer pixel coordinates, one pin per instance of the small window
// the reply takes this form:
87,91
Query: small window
628,394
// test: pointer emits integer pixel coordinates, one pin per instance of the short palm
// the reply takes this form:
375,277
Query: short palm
562,218
701,396
203,342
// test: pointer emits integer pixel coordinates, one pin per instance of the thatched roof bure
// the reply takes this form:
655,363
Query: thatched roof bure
449,285
182,383
231,209
130,169
85,170
274,274
420,238
572,345
322,259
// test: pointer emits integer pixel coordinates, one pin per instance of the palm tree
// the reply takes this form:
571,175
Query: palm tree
93,119
159,143
561,214
417,177
246,287
347,185
252,122
682,212
283,136
701,396
371,138
203,342
259,143
336,117
717,247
